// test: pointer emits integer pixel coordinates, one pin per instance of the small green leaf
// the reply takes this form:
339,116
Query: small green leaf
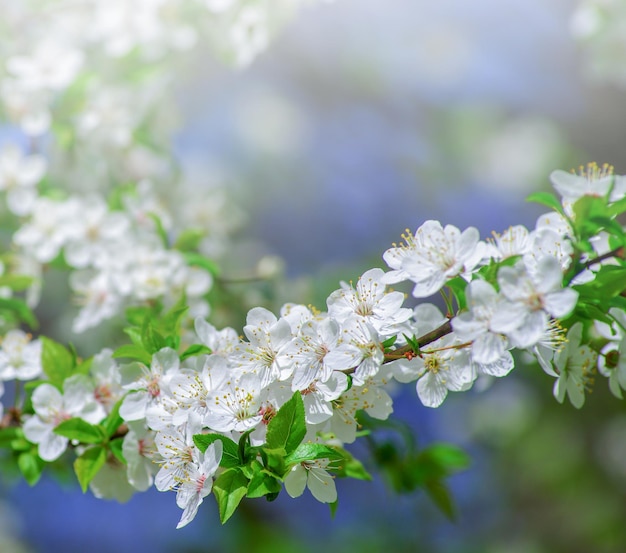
134,333
160,229
333,508
262,484
31,467
57,361
115,446
389,342
230,450
113,420
274,460
288,427
16,283
152,340
229,489
195,349
9,435
133,351
352,468
20,310
189,240
440,494
198,260
88,464
81,430
547,199
310,451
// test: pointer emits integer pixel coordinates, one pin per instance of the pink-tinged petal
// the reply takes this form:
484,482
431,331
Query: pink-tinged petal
560,304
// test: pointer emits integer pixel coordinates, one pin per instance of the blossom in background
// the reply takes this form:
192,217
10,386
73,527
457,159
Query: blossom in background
19,176
20,356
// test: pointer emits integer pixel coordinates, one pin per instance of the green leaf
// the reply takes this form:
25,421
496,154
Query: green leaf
160,229
88,465
31,466
440,494
115,446
16,283
134,333
310,451
57,361
189,239
457,286
152,340
547,199
20,310
448,457
81,430
198,260
288,427
274,460
389,342
230,450
333,508
195,349
352,468
229,489
113,420
84,366
133,351
9,435
262,483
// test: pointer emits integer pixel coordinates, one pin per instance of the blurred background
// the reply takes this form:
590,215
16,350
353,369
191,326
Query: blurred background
363,118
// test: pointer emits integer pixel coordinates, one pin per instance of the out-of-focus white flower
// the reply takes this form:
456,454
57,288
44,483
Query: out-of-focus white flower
20,356
19,175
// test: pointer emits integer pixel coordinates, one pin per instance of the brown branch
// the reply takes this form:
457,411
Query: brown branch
428,338
617,252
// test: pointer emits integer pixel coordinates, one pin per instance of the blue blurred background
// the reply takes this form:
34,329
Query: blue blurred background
363,118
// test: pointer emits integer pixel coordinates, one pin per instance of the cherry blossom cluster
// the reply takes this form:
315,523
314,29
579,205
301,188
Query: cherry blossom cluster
530,290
